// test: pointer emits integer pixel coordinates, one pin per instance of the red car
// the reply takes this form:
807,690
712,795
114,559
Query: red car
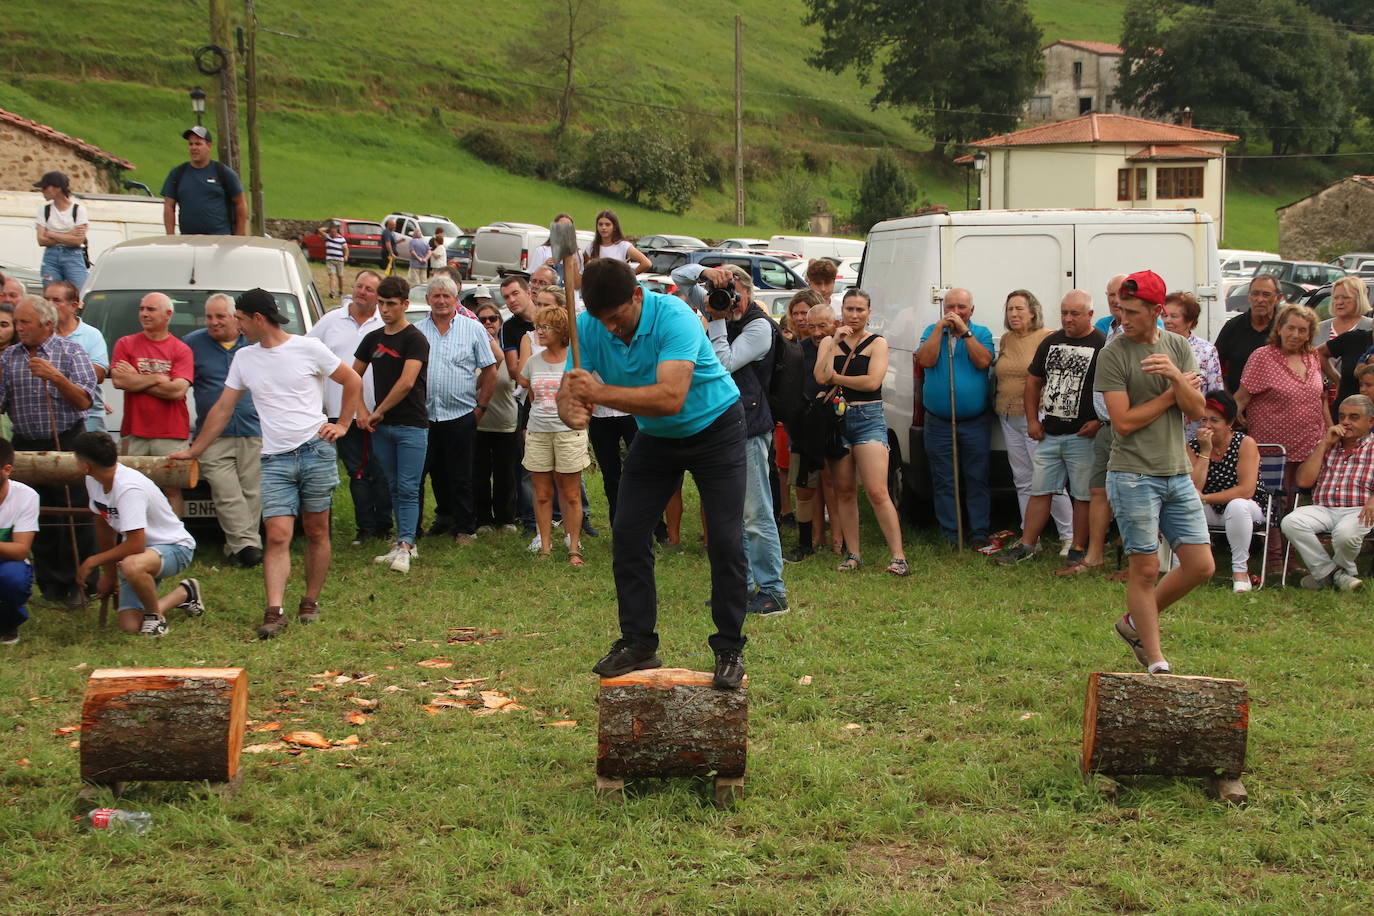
364,239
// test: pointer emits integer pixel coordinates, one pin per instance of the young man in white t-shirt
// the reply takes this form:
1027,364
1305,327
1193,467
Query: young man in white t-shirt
152,543
300,467
18,523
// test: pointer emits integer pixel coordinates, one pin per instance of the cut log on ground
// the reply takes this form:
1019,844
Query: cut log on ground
1165,725
56,468
670,722
163,724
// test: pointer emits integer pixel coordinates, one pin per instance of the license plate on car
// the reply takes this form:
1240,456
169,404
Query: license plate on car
200,508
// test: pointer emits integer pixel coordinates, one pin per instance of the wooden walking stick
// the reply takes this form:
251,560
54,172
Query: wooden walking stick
71,516
954,438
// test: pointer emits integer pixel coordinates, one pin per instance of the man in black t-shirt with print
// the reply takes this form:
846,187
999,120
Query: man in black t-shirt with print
1060,416
399,356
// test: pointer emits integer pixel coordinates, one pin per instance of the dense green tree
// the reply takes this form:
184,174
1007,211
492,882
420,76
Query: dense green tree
1358,14
1268,69
884,193
964,68
650,164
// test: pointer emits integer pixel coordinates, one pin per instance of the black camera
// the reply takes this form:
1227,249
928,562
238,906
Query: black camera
721,298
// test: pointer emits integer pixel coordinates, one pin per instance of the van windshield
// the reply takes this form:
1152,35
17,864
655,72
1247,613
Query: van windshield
114,313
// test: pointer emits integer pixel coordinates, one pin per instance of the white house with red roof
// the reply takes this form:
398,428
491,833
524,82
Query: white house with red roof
1080,77
1104,161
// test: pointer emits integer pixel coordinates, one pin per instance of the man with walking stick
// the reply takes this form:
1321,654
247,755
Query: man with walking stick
956,355
47,386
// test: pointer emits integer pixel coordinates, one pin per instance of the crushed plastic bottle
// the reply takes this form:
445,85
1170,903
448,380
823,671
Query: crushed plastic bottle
115,820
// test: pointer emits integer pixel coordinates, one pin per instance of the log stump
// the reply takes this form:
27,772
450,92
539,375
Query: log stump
163,724
671,722
1165,725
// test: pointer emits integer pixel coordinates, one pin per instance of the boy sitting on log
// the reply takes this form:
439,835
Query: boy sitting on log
18,524
153,542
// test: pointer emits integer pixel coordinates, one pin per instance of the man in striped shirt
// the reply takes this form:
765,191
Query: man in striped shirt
1341,474
335,255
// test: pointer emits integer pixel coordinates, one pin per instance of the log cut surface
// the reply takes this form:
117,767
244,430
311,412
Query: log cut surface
670,722
1165,725
53,468
163,724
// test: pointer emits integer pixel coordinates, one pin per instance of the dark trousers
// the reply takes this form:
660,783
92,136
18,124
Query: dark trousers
54,567
606,434
652,473
366,483
494,462
975,444
449,465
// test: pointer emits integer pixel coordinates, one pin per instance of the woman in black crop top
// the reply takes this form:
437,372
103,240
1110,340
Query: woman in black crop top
864,430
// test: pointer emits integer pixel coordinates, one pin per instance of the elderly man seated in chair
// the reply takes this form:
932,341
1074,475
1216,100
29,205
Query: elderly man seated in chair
1341,474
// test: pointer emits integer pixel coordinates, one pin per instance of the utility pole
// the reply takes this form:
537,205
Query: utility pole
739,122
257,215
227,111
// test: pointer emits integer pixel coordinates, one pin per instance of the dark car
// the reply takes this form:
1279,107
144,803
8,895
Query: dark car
1319,300
460,254
667,260
1306,274
364,238
669,241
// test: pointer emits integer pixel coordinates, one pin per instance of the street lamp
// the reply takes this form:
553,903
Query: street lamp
980,162
198,103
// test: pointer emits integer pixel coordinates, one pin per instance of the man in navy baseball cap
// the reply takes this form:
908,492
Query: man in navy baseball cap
205,194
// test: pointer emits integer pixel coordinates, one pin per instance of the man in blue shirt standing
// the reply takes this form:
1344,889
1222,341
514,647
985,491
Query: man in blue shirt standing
208,193
232,464
970,346
656,363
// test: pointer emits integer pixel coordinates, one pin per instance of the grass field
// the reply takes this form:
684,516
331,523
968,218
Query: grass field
930,764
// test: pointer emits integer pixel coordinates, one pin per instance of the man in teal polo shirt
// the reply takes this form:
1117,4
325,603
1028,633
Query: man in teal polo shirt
656,363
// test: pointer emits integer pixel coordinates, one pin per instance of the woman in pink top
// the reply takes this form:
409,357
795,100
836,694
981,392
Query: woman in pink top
1281,394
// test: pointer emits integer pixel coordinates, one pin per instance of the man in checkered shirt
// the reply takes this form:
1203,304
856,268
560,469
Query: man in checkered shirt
1341,473
47,386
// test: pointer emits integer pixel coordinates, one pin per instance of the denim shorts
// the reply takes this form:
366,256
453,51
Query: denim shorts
863,422
175,558
301,480
1063,462
1147,506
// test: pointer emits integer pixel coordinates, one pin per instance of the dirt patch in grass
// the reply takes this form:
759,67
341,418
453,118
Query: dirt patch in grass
901,861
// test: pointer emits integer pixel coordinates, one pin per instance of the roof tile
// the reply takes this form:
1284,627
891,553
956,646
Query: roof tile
84,149
1105,128
1096,47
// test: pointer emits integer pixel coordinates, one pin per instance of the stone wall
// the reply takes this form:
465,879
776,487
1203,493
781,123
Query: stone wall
290,228
1330,222
24,157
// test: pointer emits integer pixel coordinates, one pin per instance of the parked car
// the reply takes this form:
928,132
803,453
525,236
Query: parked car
427,224
363,236
743,243
1320,298
1239,264
667,260
32,279
499,247
1307,274
463,260
847,272
1238,296
818,246
658,283
188,268
669,241
1356,262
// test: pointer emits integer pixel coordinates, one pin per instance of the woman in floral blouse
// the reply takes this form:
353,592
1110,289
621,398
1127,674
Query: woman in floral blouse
1181,311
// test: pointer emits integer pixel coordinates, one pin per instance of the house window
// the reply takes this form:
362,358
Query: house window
1041,108
1132,184
1085,104
1077,74
1178,183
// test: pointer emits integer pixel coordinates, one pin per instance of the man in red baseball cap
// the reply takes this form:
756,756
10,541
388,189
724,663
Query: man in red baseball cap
1149,379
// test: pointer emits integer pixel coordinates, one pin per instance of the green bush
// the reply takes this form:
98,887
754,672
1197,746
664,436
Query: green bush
503,150
653,166
884,193
795,202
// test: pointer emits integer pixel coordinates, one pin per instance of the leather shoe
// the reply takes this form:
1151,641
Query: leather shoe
625,657
248,557
729,670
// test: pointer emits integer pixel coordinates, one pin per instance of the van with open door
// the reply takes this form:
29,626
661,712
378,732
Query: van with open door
911,263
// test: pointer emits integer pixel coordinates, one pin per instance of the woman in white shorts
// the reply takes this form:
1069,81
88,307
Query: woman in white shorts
554,454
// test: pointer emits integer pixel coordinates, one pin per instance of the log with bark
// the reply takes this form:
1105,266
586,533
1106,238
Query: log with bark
163,724
1166,725
670,722
56,468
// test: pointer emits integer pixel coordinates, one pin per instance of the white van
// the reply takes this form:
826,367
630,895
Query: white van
910,264
818,246
114,218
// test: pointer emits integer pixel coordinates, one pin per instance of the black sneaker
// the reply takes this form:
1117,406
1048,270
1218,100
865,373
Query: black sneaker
588,530
358,538
766,604
1017,554
625,657
729,670
249,557
153,625
798,554
193,606
9,638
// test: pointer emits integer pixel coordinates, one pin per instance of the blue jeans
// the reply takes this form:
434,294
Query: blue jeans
301,480
974,444
16,582
401,452
61,262
761,543
366,483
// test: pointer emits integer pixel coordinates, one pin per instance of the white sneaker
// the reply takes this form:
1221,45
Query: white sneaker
535,545
401,561
153,625
1240,586
1346,582
388,556
1065,546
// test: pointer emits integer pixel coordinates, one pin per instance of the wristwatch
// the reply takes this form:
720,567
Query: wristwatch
967,334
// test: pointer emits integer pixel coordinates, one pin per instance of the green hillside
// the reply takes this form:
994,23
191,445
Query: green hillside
361,113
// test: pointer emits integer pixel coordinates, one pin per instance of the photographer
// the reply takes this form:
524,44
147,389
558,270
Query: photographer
742,336
689,419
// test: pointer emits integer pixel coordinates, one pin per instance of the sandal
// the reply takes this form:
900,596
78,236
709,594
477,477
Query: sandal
1121,575
575,559
1077,569
850,562
898,567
